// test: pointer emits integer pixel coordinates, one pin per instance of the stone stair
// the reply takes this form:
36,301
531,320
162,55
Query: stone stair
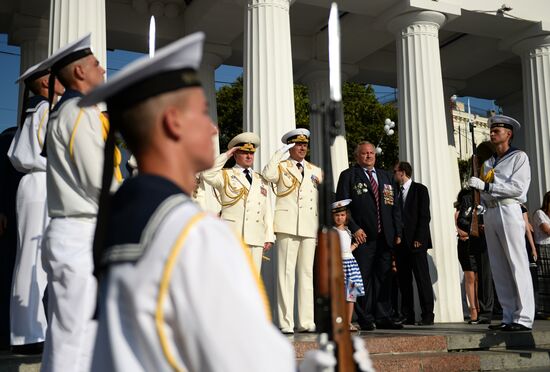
443,347
449,348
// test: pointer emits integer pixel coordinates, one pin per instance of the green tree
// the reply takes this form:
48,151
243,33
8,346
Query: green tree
363,116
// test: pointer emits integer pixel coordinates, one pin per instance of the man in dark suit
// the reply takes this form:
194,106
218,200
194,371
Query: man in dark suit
411,253
375,223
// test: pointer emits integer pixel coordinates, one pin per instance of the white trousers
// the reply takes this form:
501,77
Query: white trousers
257,253
295,260
505,233
27,315
72,288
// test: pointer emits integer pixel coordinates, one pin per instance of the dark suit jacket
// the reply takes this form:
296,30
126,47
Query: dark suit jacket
416,216
351,184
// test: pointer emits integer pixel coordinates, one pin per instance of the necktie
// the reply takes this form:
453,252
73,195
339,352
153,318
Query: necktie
374,186
248,176
300,168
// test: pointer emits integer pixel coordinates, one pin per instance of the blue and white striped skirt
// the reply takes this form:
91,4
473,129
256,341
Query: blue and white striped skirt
352,280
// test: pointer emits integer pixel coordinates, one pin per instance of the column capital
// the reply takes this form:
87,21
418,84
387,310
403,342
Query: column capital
283,4
422,17
25,28
534,37
215,54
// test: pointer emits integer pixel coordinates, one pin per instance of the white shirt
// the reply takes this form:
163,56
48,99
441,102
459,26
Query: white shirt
215,317
345,242
25,149
539,217
373,173
406,186
512,177
75,160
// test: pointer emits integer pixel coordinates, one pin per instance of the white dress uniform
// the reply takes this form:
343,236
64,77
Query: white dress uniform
75,157
27,315
295,225
509,179
246,207
190,300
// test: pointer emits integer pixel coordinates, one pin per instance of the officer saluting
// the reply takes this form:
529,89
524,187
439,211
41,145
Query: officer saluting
504,183
244,195
178,290
295,225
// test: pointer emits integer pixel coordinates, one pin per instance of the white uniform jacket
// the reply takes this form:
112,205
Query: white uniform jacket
75,148
297,198
187,300
508,177
25,149
246,207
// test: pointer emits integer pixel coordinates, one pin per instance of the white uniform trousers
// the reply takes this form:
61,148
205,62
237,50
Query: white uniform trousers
257,253
72,288
505,233
295,261
27,315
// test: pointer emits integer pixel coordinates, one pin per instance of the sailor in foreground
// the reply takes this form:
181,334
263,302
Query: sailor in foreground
504,183
27,314
295,225
244,195
75,146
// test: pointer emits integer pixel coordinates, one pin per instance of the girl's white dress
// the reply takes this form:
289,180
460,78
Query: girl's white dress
352,275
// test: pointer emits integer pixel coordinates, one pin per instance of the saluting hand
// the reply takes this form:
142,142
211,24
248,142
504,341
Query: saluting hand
287,147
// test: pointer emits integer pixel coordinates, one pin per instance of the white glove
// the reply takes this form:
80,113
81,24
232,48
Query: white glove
361,355
287,147
318,360
476,183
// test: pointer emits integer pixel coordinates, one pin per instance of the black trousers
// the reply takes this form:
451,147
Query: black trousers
409,261
374,260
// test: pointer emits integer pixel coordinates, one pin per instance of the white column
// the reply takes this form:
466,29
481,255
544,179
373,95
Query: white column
209,64
535,60
268,82
71,19
423,143
317,82
33,43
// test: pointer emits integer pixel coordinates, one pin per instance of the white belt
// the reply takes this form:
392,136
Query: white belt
500,202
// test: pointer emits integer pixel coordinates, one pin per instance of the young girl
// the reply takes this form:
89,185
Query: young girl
352,276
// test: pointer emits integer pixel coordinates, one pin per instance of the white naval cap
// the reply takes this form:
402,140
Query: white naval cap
504,122
340,205
299,135
173,67
33,73
246,141
69,53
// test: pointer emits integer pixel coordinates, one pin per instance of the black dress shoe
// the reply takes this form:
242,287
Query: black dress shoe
515,327
497,327
404,320
28,349
367,326
388,324
425,322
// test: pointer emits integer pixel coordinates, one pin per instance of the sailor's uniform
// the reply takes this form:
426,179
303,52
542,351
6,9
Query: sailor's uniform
174,277
507,182
245,206
75,146
27,314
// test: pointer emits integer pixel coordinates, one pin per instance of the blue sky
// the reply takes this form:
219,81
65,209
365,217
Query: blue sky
9,71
